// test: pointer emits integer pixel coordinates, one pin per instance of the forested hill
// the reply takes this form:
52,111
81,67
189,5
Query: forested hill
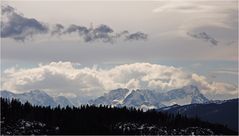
18,118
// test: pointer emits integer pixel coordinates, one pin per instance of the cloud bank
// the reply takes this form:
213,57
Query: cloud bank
67,77
16,26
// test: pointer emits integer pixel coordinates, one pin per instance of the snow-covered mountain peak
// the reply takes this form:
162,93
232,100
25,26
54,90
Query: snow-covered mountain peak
185,95
151,98
6,94
184,91
191,89
37,92
117,94
37,97
139,98
62,101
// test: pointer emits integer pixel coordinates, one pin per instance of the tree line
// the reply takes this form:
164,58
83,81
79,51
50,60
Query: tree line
90,119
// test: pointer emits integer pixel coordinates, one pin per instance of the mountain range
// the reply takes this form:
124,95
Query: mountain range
150,99
187,101
140,98
222,112
37,97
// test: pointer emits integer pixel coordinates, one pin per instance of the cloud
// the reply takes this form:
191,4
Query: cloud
57,29
203,36
75,28
7,9
182,7
103,29
137,36
18,27
103,33
217,18
67,77
229,71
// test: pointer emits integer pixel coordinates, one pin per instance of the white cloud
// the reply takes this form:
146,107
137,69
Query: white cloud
65,77
229,71
182,7
201,16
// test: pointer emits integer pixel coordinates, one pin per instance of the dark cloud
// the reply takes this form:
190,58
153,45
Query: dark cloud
125,32
204,36
18,27
57,29
103,33
7,9
137,36
103,29
75,28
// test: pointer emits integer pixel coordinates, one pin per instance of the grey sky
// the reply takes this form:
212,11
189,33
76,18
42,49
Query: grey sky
167,25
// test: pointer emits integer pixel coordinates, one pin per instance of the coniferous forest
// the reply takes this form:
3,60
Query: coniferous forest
18,118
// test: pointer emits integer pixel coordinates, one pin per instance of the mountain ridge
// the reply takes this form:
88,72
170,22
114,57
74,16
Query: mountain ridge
35,97
148,99
223,112
140,98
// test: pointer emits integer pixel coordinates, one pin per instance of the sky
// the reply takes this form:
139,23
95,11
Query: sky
87,48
